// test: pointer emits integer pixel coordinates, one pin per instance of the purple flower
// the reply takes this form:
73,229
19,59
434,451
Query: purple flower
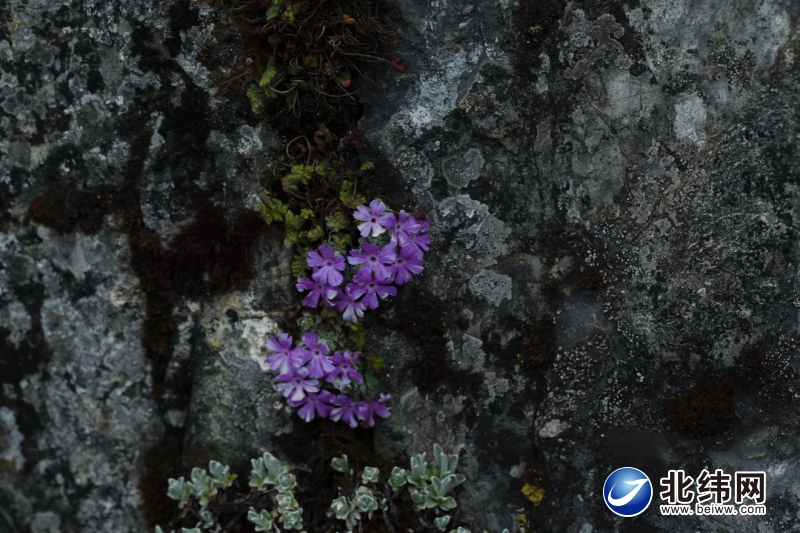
420,240
369,408
373,285
316,355
348,306
327,265
312,403
373,218
295,384
285,357
409,261
346,410
345,369
374,257
403,223
317,289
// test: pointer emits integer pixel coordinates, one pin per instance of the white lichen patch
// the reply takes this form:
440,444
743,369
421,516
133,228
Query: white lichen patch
10,439
461,169
491,286
690,119
15,318
553,428
243,338
470,356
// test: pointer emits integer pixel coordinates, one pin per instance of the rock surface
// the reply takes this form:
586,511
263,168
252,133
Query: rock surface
612,189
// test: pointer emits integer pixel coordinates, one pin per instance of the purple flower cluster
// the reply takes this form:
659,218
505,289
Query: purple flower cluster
304,371
380,267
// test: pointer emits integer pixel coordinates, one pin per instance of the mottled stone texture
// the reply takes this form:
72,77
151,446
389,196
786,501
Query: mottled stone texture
612,189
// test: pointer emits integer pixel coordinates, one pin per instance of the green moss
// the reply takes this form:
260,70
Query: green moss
257,98
273,211
314,234
300,268
338,220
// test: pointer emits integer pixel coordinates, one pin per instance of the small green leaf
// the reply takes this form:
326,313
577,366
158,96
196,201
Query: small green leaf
337,220
262,520
364,500
397,478
314,234
208,519
292,519
256,97
370,381
366,165
293,221
285,501
441,522
286,482
273,211
358,336
179,490
370,475
269,74
342,508
340,464
274,10
343,241
300,268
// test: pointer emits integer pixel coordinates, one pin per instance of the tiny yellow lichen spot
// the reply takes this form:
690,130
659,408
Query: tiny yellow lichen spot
535,29
534,494
522,520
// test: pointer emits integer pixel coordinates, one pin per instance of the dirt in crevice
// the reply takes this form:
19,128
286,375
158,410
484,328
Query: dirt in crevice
704,410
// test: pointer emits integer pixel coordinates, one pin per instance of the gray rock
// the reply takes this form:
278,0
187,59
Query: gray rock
613,199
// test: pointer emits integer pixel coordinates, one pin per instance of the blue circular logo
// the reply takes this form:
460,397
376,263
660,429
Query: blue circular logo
627,491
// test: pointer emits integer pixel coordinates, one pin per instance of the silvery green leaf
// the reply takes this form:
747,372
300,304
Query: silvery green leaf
341,507
397,478
459,479
179,490
448,484
419,467
159,530
370,475
461,530
273,465
262,520
203,486
448,504
505,531
286,482
285,501
364,500
258,475
208,519
218,470
441,522
340,464
221,474
447,463
420,497
192,530
436,487
383,504
292,519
